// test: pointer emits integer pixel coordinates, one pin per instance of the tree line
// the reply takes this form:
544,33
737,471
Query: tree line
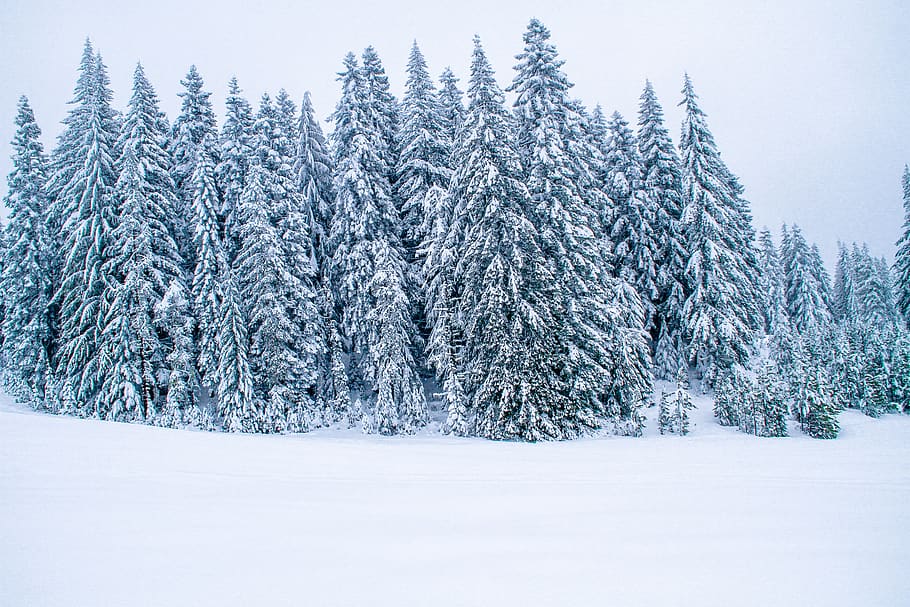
532,268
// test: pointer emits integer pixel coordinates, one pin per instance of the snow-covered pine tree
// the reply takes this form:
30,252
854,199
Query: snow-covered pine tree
771,285
815,400
770,402
25,279
675,406
194,128
365,232
238,407
806,305
662,179
631,223
235,149
727,404
142,264
313,178
822,279
505,289
900,372
902,257
278,281
874,296
451,102
425,148
84,210
381,111
288,121
563,212
721,312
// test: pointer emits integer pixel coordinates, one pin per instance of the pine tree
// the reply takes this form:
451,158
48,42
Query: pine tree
564,213
728,398
634,215
806,305
675,407
820,418
902,257
875,378
771,285
237,404
425,149
25,279
368,266
193,136
505,287
84,210
381,109
769,399
844,293
451,103
142,265
721,311
235,149
662,179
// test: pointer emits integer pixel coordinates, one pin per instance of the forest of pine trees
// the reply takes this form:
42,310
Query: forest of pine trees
513,271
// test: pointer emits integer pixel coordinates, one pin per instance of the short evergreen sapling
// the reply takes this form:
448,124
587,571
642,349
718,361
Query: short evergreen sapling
675,406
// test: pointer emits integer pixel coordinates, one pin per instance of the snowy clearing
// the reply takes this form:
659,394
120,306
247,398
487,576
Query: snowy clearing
99,513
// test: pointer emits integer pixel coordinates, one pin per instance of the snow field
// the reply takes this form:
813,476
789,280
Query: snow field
99,513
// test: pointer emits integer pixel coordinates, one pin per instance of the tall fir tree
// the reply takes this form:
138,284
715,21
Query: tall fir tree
844,290
505,286
806,305
193,129
771,285
662,178
84,210
369,270
565,216
142,265
235,151
721,312
451,102
902,257
25,278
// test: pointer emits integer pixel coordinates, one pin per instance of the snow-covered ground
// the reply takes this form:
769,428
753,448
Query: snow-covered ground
98,513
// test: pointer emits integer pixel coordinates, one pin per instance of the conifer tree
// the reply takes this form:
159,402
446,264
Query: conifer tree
662,179
237,404
631,222
675,407
769,399
728,398
505,288
819,419
84,210
25,278
425,149
806,304
368,266
235,150
142,265
771,285
902,257
844,293
451,102
563,212
193,136
721,311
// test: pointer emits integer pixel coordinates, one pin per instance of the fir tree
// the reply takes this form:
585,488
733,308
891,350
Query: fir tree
193,133
235,149
25,278
368,266
728,399
844,294
142,265
721,311
633,217
769,399
662,179
806,305
505,287
814,398
451,103
675,407
771,285
82,184
237,404
902,257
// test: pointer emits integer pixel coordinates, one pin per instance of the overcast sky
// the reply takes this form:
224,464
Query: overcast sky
809,104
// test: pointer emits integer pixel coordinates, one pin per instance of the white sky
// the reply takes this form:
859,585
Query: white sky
809,104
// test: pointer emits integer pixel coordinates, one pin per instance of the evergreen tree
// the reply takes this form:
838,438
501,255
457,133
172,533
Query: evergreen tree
844,296
662,179
235,149
381,109
675,407
194,129
451,103
505,287
806,305
769,399
728,398
563,212
633,217
142,265
771,283
237,405
819,419
368,266
721,311
25,278
902,257
425,149
84,209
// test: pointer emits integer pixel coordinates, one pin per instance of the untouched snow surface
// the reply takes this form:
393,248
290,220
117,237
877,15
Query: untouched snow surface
98,513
